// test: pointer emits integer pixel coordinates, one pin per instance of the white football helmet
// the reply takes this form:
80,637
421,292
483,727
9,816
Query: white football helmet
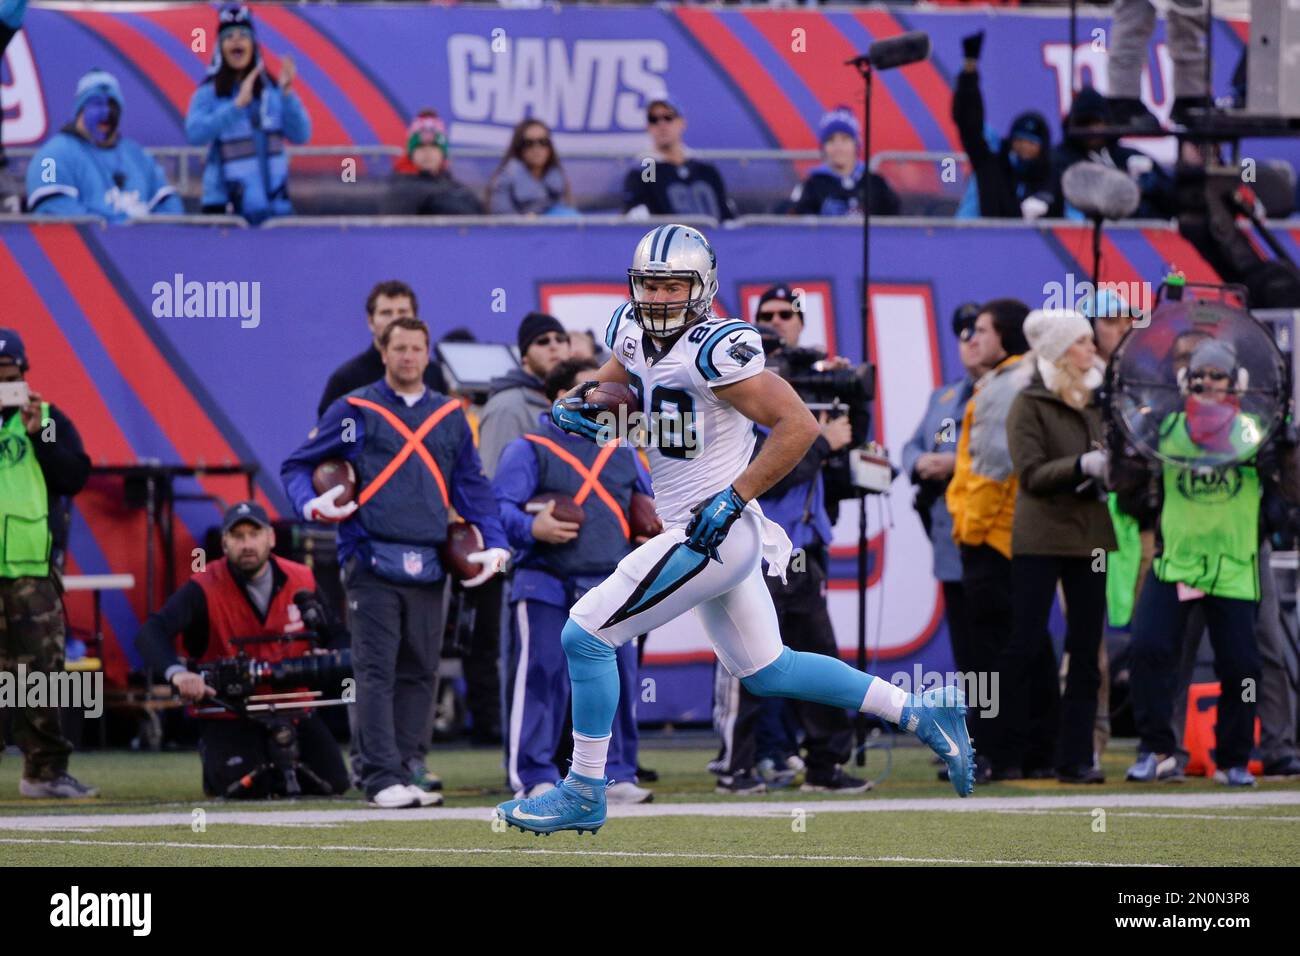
677,252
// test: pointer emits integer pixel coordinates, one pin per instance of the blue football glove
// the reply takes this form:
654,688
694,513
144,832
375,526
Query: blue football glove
576,415
713,519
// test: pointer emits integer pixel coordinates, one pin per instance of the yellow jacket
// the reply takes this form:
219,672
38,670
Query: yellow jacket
982,494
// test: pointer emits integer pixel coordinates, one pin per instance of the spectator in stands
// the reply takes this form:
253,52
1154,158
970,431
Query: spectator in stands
1061,527
89,168
250,591
556,562
1091,110
1013,178
11,21
388,300
669,182
929,458
530,180
518,396
43,462
422,182
835,188
981,498
245,116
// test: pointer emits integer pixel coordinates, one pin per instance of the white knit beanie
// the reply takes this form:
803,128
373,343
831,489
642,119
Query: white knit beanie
1051,332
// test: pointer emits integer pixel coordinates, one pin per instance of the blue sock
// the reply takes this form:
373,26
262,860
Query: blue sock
593,672
814,677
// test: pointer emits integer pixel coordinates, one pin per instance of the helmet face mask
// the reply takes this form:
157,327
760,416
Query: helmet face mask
669,315
669,253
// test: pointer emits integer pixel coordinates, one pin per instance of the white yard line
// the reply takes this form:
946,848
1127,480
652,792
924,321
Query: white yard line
1157,816
484,851
215,815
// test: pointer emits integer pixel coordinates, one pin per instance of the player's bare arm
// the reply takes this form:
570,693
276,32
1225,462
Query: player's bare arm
770,401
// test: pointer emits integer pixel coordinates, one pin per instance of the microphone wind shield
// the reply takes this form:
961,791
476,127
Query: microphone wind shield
900,50
1100,192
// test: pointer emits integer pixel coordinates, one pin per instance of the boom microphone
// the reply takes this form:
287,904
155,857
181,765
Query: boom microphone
1100,192
899,51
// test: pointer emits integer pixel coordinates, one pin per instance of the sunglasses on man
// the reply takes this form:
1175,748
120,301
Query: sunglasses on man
551,338
539,141
770,314
656,118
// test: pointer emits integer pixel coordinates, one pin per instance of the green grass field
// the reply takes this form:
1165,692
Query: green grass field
909,818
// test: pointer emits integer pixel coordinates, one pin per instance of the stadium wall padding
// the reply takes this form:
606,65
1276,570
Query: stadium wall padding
91,302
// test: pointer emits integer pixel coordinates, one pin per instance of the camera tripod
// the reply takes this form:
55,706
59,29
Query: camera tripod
276,718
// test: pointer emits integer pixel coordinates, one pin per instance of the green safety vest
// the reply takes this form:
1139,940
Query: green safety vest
24,505
1209,525
1122,566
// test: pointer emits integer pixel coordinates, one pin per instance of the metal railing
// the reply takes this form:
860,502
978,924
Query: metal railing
184,163
606,221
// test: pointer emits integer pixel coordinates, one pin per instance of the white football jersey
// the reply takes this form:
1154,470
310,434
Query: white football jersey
699,443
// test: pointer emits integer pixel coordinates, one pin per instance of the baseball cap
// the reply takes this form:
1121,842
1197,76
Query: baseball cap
665,103
964,316
244,511
11,348
778,293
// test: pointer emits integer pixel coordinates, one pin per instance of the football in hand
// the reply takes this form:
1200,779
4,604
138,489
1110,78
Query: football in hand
642,517
463,539
612,396
566,509
336,471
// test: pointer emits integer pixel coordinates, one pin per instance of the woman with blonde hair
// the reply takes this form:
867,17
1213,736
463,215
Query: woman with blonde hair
1061,532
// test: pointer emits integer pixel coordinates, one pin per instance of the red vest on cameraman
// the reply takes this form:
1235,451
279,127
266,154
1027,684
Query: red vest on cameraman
230,614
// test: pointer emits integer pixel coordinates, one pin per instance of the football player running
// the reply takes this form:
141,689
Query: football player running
701,381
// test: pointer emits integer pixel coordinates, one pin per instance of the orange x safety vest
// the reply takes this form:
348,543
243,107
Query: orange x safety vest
590,476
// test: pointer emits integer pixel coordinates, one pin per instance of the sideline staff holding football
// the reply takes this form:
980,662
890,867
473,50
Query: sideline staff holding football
388,545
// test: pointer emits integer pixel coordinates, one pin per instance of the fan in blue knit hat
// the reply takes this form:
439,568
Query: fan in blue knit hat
99,106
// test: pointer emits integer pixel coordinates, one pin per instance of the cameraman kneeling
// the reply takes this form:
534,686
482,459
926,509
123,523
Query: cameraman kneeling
247,594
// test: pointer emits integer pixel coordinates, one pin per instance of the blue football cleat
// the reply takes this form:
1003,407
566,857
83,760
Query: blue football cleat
938,717
576,803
